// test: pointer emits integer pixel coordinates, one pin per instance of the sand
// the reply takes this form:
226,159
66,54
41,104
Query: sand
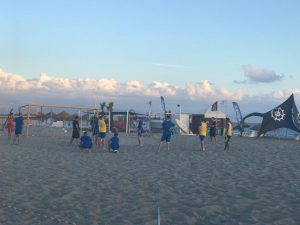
46,181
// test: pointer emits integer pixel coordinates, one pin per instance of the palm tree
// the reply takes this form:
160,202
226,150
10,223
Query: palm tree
102,106
109,108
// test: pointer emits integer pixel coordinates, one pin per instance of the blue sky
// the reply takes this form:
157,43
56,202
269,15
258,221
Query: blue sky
177,42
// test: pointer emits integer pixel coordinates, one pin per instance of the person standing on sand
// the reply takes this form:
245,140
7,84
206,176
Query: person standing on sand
228,133
140,132
10,125
19,128
102,131
212,130
202,134
167,132
95,127
76,131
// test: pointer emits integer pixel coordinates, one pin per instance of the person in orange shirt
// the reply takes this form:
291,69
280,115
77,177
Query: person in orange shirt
202,133
228,133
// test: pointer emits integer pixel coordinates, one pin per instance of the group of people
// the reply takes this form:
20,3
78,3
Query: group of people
15,124
168,126
212,131
99,130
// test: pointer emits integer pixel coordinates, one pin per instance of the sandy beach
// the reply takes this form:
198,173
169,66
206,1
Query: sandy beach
45,181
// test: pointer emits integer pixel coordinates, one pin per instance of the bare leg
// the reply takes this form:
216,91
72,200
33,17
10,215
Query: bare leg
102,140
226,143
140,140
14,139
202,146
95,140
159,146
18,139
108,146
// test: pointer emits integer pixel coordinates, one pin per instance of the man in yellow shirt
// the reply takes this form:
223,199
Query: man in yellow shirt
202,134
102,130
228,133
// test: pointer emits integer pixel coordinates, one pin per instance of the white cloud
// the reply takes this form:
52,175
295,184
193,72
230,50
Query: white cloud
50,89
259,75
206,91
11,82
15,89
285,93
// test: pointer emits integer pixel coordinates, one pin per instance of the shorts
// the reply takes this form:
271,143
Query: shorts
166,137
101,134
212,133
140,132
201,137
18,131
75,134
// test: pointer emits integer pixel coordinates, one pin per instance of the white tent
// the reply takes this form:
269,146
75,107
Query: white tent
209,114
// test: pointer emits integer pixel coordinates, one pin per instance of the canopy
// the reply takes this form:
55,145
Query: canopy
285,115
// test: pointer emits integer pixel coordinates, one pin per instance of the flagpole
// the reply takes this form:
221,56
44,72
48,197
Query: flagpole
216,120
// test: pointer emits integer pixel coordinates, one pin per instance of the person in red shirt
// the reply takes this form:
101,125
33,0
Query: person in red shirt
10,125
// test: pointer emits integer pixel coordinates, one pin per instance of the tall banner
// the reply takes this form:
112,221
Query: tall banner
163,104
237,113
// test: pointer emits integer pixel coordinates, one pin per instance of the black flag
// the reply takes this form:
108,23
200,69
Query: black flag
214,106
163,104
285,115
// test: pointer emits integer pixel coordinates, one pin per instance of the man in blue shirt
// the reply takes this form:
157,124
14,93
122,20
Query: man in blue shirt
140,132
18,128
167,132
86,141
113,143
